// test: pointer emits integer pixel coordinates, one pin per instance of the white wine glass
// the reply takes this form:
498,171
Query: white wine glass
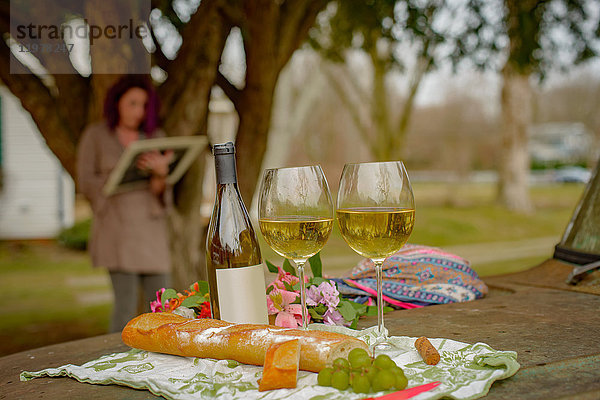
376,214
296,216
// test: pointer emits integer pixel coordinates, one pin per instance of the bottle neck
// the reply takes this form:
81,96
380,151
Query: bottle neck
225,169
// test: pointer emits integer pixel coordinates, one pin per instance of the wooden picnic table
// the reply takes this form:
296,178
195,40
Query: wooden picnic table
552,326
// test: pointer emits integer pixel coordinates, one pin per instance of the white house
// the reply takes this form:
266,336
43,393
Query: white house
564,142
37,196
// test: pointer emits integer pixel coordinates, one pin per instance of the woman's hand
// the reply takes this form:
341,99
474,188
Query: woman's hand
155,162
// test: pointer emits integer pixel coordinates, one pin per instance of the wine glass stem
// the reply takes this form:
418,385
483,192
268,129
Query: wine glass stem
378,267
300,267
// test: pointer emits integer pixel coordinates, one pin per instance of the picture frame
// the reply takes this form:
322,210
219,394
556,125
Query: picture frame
126,176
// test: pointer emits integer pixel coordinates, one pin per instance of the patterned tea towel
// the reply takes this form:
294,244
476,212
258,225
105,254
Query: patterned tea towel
416,276
466,371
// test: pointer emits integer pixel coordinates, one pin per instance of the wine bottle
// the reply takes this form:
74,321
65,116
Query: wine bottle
234,264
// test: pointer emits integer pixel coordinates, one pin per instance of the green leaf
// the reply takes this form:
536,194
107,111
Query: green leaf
192,301
271,267
287,267
347,311
202,288
291,288
168,294
360,308
316,265
354,324
318,280
270,289
314,314
321,308
371,310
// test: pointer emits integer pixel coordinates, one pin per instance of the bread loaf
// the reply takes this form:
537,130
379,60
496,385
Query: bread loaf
247,343
281,366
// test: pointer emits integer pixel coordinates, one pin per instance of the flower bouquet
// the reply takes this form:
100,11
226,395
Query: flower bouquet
324,302
193,303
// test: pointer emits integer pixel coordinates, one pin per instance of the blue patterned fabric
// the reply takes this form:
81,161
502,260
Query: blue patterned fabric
420,275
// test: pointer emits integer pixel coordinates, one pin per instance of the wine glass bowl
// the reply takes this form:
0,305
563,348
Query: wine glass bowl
376,214
296,215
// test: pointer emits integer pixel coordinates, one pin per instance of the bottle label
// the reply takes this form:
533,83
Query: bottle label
242,297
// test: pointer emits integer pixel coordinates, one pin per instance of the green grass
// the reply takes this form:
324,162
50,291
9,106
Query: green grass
468,214
41,284
44,286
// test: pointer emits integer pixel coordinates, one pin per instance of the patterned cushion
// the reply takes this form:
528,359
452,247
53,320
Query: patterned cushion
420,275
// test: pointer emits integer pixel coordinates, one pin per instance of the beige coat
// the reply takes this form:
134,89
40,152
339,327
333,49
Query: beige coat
129,229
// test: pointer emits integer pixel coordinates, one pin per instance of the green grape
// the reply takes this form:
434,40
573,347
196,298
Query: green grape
360,383
384,380
361,362
397,370
324,377
341,363
371,372
401,382
384,362
340,380
357,355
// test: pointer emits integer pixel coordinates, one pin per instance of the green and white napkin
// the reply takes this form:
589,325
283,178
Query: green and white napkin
466,372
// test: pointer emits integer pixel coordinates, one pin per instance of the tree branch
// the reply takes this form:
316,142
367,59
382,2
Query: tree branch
158,56
191,77
37,99
297,17
352,108
231,91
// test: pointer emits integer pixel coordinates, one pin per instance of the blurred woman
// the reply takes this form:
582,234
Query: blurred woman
129,229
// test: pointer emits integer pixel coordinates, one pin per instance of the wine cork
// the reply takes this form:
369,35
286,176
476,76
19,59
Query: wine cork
429,354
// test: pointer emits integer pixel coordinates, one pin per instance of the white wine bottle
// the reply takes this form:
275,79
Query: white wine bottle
233,261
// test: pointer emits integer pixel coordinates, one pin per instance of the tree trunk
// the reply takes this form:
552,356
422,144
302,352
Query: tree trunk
187,230
380,111
251,139
513,171
272,31
294,103
186,94
397,139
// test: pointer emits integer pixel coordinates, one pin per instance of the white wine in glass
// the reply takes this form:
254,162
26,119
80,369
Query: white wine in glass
376,214
296,216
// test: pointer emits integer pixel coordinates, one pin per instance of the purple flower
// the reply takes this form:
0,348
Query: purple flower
333,317
326,293
313,296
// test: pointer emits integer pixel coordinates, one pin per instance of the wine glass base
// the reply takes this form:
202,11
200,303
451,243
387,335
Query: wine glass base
382,348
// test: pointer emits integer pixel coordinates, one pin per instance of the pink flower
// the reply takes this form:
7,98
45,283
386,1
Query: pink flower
156,305
280,302
333,317
326,293
285,277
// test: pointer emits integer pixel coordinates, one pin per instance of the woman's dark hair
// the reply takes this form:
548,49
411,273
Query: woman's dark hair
111,102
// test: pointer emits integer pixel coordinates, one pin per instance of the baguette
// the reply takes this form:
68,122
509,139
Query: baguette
281,366
247,343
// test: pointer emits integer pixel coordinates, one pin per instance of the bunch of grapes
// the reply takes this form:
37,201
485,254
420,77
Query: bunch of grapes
363,373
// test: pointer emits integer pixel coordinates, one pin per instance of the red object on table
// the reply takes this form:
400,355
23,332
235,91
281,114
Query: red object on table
407,393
